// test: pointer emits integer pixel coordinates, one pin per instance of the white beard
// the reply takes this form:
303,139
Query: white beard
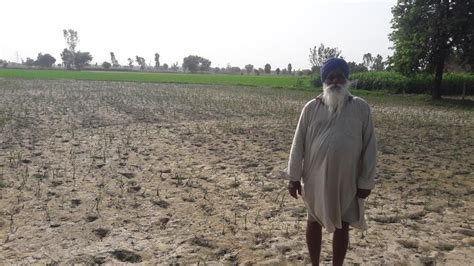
334,96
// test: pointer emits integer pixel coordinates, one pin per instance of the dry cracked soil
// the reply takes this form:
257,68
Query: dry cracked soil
114,172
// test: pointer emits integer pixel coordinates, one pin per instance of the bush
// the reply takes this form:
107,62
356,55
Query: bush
82,59
194,63
316,81
452,84
106,65
382,80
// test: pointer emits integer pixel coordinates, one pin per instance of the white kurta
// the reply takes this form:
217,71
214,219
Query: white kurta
334,155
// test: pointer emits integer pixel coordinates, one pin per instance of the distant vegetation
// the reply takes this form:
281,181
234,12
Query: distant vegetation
393,82
194,63
220,79
432,53
387,81
73,59
452,84
45,60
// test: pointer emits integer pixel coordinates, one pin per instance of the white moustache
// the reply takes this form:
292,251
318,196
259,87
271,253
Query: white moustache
334,96
334,86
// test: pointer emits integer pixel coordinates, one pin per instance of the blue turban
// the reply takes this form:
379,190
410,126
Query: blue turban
333,64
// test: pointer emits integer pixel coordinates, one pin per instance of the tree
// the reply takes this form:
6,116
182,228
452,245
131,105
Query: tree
277,71
175,66
68,58
165,66
29,62
191,63
114,60
268,68
257,72
205,64
454,63
157,60
290,67
318,55
194,63
130,62
106,65
71,39
426,32
307,72
233,69
355,68
68,55
141,62
82,59
45,60
249,68
368,60
378,64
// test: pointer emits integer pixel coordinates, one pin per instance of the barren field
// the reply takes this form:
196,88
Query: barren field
110,172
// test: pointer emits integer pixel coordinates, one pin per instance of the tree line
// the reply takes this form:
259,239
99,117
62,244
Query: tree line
319,54
429,37
76,59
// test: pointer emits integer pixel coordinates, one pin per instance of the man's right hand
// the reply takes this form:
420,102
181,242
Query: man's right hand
294,187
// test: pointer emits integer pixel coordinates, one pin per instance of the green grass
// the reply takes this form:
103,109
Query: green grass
271,81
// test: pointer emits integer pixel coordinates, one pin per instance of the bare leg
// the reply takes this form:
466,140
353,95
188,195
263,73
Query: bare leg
313,240
340,242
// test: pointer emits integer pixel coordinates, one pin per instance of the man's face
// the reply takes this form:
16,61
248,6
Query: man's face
335,91
336,77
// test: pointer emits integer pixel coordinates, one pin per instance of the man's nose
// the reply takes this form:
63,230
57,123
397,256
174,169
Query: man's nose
335,80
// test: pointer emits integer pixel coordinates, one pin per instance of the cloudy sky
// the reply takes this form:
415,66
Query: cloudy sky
226,32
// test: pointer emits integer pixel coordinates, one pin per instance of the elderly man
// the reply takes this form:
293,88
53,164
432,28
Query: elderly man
334,152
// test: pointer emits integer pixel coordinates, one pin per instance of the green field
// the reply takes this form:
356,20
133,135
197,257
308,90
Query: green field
217,79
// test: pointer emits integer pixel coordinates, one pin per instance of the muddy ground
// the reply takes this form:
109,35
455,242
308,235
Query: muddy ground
109,172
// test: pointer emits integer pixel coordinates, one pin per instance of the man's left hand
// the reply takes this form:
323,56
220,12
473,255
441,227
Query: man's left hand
363,193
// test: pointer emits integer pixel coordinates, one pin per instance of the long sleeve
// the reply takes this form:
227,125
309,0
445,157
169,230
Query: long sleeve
368,155
295,163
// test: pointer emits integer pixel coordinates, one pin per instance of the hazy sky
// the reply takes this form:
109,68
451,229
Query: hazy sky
226,32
